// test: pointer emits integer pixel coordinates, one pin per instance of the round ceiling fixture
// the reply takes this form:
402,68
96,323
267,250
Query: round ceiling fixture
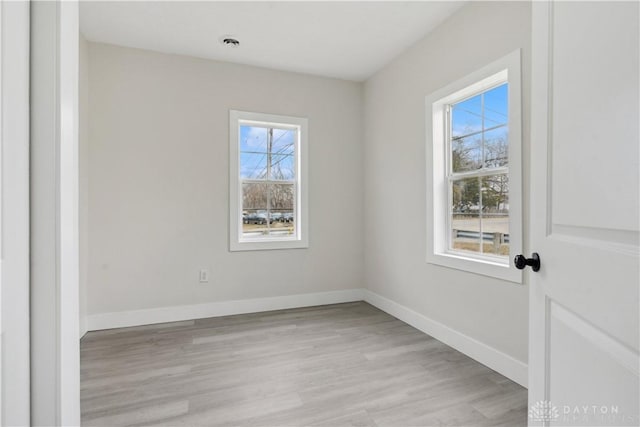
229,41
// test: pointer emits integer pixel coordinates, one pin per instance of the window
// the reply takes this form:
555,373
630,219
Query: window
474,178
268,208
478,173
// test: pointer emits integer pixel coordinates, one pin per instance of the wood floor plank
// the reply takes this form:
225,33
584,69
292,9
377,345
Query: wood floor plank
337,365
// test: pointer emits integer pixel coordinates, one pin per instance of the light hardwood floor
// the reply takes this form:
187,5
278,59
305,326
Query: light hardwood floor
336,365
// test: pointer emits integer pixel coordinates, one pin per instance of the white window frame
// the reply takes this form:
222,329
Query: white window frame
301,215
504,70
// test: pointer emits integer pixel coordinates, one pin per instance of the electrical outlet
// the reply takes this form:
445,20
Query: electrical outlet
204,275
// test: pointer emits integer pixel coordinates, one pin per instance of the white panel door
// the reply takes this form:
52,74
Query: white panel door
584,333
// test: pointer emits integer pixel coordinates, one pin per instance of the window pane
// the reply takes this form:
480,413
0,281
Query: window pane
465,215
480,214
283,141
253,139
282,214
495,214
283,167
466,117
253,152
466,153
496,148
282,154
253,166
496,106
254,210
472,145
254,196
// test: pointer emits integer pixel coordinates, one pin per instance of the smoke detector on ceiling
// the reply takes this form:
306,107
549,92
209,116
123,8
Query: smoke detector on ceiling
229,41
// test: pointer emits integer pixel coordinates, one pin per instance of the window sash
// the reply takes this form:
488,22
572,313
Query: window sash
267,125
448,138
479,173
269,183
452,177
449,224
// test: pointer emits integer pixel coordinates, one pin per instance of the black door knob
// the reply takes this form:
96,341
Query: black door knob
521,262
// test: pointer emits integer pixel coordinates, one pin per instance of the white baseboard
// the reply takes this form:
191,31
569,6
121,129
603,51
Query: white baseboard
489,356
500,362
123,319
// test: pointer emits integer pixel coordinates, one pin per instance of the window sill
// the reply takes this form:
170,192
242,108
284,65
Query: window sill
268,244
482,266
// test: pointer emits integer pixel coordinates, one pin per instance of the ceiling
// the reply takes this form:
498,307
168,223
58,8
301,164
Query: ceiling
348,40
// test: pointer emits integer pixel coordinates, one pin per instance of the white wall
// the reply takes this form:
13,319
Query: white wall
158,181
83,160
488,310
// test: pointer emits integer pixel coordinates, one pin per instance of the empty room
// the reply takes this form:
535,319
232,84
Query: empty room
330,213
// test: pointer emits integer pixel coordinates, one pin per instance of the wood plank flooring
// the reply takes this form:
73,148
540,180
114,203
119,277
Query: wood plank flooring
335,365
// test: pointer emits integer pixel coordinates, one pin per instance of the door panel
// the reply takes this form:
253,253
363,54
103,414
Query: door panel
587,367
595,99
584,301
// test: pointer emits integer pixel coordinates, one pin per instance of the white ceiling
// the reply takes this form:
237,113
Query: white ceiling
349,40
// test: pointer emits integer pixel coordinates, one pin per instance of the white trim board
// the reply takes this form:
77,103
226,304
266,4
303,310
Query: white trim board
15,392
123,319
500,362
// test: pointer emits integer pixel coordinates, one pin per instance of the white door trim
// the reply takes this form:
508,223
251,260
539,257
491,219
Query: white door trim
14,308
539,107
69,242
55,352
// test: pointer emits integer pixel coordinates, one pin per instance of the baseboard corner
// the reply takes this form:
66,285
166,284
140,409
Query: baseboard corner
493,358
